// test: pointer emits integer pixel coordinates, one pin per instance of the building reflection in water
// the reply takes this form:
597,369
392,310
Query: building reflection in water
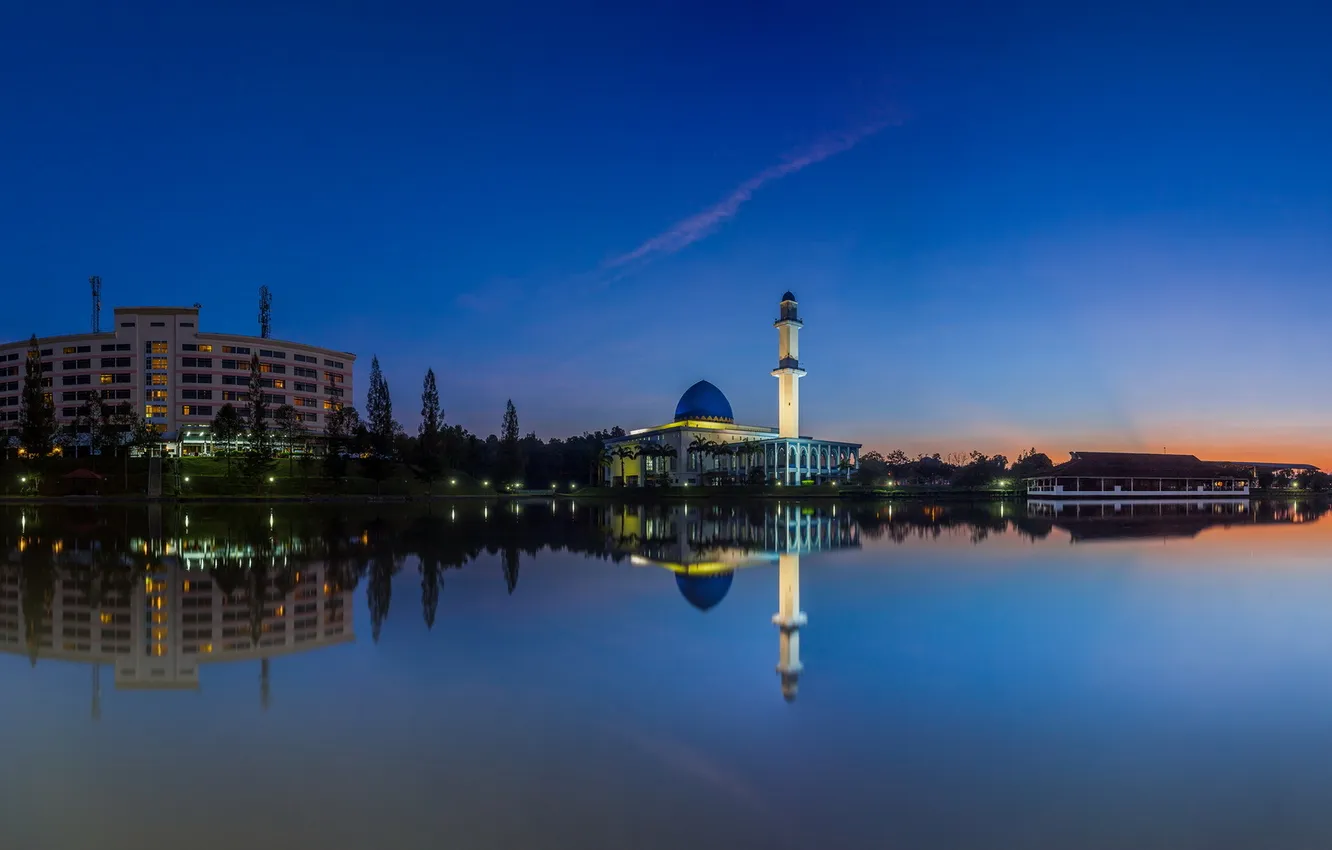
156,592
705,547
155,609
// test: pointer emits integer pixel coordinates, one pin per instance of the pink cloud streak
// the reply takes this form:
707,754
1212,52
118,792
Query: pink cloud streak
702,224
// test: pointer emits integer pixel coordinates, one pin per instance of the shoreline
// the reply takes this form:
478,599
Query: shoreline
630,495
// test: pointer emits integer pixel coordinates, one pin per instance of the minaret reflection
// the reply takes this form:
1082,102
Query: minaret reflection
788,619
706,547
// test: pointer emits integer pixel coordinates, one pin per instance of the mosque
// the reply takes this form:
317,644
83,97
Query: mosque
704,445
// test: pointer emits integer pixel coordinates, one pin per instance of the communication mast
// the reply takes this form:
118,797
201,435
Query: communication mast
96,283
265,312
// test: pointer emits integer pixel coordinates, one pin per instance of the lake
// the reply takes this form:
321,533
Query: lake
558,673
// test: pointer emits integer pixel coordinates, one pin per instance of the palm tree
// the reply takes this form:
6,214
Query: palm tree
699,446
665,452
628,451
724,450
603,460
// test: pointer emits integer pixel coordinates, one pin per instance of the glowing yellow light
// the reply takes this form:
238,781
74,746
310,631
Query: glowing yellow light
106,617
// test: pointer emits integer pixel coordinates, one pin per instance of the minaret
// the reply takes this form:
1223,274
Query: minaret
788,619
788,371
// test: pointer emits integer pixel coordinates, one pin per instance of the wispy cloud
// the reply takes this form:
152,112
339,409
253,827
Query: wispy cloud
703,224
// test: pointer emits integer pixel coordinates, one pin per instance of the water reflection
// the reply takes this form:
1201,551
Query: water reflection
158,592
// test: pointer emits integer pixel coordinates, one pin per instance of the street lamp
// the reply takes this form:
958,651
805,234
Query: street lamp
452,481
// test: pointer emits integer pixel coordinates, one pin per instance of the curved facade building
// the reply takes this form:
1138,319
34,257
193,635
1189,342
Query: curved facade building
158,361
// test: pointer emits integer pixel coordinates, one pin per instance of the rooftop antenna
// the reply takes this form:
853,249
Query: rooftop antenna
265,312
96,283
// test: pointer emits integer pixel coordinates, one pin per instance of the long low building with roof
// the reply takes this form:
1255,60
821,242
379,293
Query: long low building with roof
1139,475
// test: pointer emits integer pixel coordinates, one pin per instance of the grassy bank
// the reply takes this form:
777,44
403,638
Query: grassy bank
210,478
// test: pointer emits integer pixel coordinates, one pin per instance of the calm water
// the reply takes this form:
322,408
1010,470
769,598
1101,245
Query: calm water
603,676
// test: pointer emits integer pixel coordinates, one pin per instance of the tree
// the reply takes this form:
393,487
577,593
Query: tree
873,469
1030,464
509,462
37,422
226,429
290,430
429,464
382,429
339,427
699,447
94,420
626,451
977,472
258,459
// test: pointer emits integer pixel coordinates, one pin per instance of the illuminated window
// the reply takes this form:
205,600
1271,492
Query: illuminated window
184,410
158,380
106,617
155,410
279,384
157,395
280,610
159,616
160,634
265,367
157,363
207,647
107,379
157,348
158,650
207,348
69,349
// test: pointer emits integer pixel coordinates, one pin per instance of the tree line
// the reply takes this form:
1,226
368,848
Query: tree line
974,469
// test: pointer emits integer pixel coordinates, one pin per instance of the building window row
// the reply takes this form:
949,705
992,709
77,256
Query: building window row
194,394
156,346
115,346
196,410
159,363
78,349
191,378
276,355
200,347
197,362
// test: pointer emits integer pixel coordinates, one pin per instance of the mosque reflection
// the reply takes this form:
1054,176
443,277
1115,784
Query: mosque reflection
705,547
158,592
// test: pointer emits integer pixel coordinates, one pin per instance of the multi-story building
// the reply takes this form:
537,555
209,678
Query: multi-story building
157,361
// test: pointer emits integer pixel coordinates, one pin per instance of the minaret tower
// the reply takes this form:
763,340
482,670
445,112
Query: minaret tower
788,619
788,371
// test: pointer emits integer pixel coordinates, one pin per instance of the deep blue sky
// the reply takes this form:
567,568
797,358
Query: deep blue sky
1078,229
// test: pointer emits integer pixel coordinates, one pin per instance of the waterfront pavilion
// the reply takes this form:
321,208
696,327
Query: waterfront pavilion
1138,475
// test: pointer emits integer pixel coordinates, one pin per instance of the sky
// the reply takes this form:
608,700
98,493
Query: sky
1035,225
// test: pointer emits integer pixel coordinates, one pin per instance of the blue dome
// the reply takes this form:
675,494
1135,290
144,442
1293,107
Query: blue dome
704,591
704,401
